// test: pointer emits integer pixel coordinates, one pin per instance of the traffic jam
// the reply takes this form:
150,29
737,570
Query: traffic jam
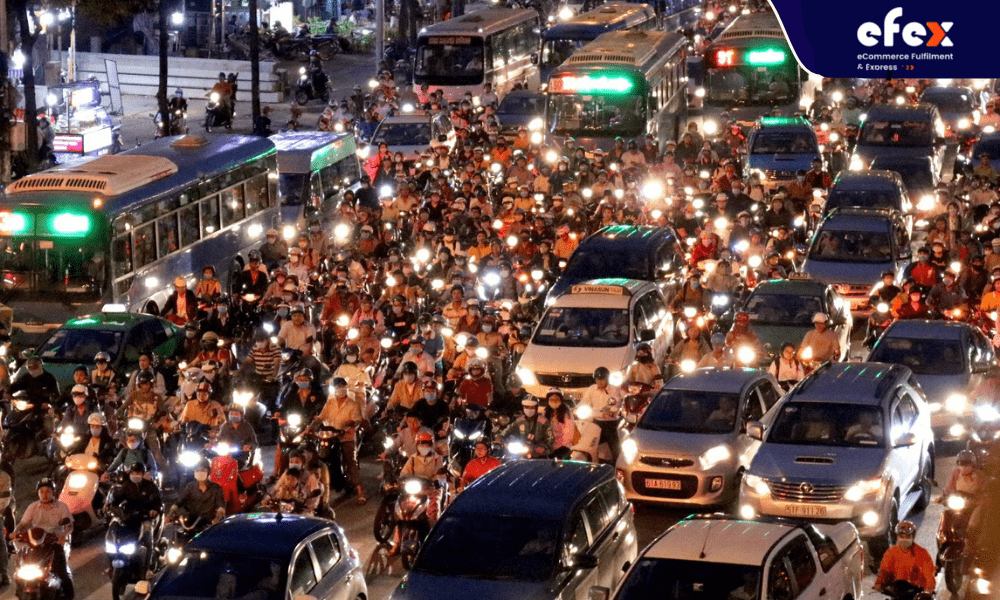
612,302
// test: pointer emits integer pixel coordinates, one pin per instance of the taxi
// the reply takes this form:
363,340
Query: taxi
597,323
780,147
413,132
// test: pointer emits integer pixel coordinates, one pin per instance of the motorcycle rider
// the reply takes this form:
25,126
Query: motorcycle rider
644,369
224,89
203,409
786,368
200,498
317,78
304,398
78,415
253,278
297,333
344,415
133,452
886,291
947,295
906,561
139,494
182,305
237,432
477,388
407,391
482,464
428,464
355,374
297,484
824,344
103,376
98,444
146,365
606,401
52,516
40,385
211,351
147,405
532,429
967,479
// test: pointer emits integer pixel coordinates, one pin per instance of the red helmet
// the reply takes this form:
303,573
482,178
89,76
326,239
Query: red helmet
423,437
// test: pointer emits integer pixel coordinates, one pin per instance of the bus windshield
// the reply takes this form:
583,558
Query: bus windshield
745,85
597,115
449,64
292,188
555,52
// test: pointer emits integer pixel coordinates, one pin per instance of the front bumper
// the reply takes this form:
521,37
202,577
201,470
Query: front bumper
682,483
868,514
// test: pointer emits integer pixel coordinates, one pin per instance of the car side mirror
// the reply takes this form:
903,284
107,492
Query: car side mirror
755,430
142,588
906,440
582,560
598,592
801,249
647,335
905,253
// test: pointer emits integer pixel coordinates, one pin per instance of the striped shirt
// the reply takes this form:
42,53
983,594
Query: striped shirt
266,360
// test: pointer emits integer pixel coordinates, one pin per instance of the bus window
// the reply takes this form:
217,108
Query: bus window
232,205
256,192
581,116
121,256
209,215
167,234
450,64
323,183
144,246
189,224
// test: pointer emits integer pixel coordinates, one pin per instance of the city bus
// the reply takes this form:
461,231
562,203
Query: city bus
314,170
749,70
623,84
498,46
564,38
120,228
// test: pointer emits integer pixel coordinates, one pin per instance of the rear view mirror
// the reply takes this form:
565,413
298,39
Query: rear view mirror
534,58
598,592
755,430
582,560
647,335
906,440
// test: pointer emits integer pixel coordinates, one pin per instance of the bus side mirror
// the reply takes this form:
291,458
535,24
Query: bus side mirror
534,58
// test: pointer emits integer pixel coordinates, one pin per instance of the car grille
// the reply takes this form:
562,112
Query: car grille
570,380
796,491
670,463
689,485
852,290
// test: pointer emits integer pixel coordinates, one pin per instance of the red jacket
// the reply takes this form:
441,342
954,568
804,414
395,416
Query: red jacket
477,467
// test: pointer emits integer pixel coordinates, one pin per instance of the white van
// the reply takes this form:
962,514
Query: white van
598,323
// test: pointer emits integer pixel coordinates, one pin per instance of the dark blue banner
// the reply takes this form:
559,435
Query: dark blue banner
870,38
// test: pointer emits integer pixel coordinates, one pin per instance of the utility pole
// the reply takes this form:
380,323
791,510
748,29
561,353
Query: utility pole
6,110
379,34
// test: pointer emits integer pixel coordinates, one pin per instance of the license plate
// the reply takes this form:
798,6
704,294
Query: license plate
858,302
663,484
803,510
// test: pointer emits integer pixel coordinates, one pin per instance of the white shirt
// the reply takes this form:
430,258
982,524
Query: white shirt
606,403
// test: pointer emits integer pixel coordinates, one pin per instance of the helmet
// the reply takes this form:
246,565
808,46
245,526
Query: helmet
205,386
339,382
102,357
210,336
79,389
601,373
305,372
352,349
966,457
179,93
95,419
887,274
906,528
515,382
554,392
472,342
644,347
253,256
138,467
477,364
425,437
409,367
144,377
46,482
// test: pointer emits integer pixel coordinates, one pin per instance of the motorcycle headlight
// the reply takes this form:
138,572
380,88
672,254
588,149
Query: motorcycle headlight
109,547
173,554
863,488
527,377
720,300
136,424
710,127
242,398
688,365
214,97
67,439
459,434
956,403
757,484
475,435
223,449
295,420
746,355
690,312
714,456
982,586
964,123
517,447
29,572
926,203
882,307
76,481
413,487
987,412
616,378
128,548
630,450
189,459
388,443
302,70
955,502
583,411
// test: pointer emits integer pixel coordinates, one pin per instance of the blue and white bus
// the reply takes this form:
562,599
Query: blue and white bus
120,228
562,39
623,84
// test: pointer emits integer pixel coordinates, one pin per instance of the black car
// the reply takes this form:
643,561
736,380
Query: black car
521,108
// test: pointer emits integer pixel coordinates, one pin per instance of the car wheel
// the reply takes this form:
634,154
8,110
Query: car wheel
877,546
926,480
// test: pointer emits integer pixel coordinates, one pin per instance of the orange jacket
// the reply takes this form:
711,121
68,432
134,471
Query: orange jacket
913,565
478,467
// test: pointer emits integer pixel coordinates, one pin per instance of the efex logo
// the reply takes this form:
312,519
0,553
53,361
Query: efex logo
913,33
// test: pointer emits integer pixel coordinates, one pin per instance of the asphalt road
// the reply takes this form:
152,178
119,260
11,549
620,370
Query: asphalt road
88,561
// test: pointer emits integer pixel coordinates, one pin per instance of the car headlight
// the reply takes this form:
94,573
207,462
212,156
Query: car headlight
757,484
527,377
955,502
982,586
630,450
987,412
714,456
926,203
956,403
29,572
190,459
128,548
76,481
863,488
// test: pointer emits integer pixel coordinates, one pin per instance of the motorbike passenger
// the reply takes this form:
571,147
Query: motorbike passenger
560,421
906,561
98,443
147,405
342,413
200,498
133,452
786,368
53,517
428,464
297,484
606,401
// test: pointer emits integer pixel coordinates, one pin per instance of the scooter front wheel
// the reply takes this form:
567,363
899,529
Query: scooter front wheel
385,523
301,96
117,584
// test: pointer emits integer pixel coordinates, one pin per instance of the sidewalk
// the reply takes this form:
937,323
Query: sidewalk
345,71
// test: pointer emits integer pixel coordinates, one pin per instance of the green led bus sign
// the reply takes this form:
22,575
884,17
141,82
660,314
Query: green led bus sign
763,58
68,224
588,85
14,223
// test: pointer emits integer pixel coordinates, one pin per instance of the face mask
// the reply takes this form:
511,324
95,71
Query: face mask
924,258
282,312
261,344
207,276
190,334
95,431
136,479
696,284
487,328
409,377
133,445
201,475
235,418
397,309
948,281
530,412
78,400
424,449
800,179
351,358
505,273
341,393
302,384
294,258
35,372
223,310
295,467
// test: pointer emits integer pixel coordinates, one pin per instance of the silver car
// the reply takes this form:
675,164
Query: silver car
690,446
852,442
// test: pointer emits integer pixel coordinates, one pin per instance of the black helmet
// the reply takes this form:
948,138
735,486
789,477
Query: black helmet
644,347
966,457
339,382
515,382
352,349
409,367
305,372
138,467
144,377
254,256
45,482
887,274
601,373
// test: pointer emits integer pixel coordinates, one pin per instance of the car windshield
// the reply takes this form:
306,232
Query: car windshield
784,142
80,345
597,115
491,546
690,580
584,327
896,133
948,101
861,199
750,86
922,356
828,424
403,134
291,187
215,575
852,246
441,63
597,263
989,146
687,411
917,176
521,105
783,309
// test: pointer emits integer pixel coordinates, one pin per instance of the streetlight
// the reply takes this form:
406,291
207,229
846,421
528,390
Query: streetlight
177,19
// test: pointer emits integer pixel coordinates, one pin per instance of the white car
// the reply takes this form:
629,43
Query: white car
720,556
414,132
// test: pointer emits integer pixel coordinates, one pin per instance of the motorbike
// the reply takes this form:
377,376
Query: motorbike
385,524
233,469
83,492
635,403
904,590
190,450
216,113
25,427
292,507
175,119
952,538
255,410
330,450
130,553
33,566
589,447
185,528
306,91
411,517
56,447
878,322
463,435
